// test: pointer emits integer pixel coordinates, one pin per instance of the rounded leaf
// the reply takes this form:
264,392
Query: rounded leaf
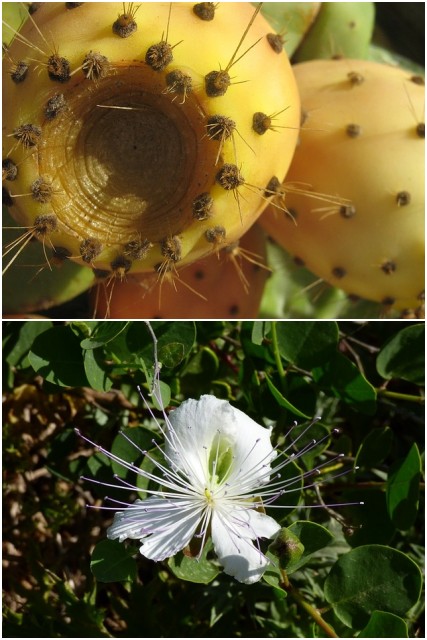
57,356
384,625
403,355
403,488
199,570
111,562
370,578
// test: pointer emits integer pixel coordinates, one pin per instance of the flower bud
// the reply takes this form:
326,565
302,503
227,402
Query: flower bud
287,547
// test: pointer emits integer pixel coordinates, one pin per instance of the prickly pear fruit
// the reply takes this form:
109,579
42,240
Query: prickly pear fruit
132,132
340,29
355,190
227,285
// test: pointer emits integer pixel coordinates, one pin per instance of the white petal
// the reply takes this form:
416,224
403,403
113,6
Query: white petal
232,533
164,526
197,424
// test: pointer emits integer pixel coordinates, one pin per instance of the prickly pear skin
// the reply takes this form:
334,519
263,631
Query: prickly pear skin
362,141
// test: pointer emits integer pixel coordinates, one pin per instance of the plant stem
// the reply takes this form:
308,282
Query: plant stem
278,359
400,396
312,611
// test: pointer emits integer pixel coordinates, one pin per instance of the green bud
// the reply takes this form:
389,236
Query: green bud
287,547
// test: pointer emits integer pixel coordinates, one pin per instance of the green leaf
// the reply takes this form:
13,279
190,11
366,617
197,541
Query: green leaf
375,448
292,477
282,401
307,344
57,356
95,369
28,332
344,380
174,341
384,625
125,450
403,355
403,487
369,578
259,330
112,562
201,571
367,523
198,373
313,536
103,333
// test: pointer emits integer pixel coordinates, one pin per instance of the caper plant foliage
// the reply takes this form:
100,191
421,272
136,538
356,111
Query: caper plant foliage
199,473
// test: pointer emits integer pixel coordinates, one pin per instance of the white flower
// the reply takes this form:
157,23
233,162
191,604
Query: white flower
216,471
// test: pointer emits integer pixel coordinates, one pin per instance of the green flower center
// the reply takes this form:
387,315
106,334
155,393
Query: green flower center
219,464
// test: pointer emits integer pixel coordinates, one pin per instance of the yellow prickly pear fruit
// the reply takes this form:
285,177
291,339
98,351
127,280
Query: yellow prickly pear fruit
130,132
227,285
355,190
